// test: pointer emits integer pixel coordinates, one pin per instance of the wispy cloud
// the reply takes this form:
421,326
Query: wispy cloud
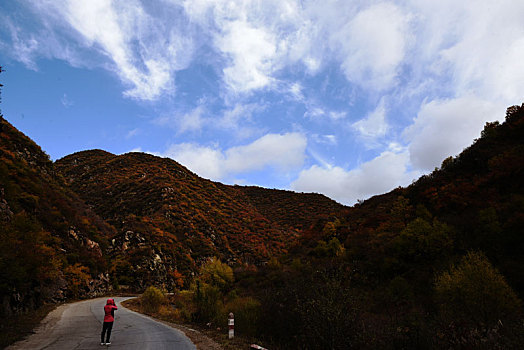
132,133
374,125
23,45
438,69
325,139
66,101
142,50
239,113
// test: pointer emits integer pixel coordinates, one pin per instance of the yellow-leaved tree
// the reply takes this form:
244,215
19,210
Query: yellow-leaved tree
475,292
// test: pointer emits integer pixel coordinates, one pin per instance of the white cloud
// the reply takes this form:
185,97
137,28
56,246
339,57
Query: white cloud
251,51
192,121
379,175
482,43
373,44
246,35
113,27
444,128
205,161
296,91
260,39
314,111
374,125
283,152
337,115
233,117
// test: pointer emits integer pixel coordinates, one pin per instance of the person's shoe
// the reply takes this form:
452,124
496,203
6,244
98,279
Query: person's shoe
102,344
108,343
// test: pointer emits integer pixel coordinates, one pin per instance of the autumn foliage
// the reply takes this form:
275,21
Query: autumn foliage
437,264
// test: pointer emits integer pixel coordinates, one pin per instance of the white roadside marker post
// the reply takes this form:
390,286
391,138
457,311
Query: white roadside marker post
231,323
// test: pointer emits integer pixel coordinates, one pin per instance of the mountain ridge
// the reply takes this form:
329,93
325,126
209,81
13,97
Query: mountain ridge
190,218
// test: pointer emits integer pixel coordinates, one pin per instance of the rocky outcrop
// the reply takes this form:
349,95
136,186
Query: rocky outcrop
5,212
98,286
85,241
150,264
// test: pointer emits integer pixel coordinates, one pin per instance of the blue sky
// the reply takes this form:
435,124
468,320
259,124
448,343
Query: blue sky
344,98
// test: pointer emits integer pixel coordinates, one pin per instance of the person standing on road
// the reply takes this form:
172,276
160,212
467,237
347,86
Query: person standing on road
109,318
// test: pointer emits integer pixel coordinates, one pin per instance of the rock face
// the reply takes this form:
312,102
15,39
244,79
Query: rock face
5,212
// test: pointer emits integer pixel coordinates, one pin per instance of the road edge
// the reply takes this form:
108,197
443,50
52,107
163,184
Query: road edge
199,339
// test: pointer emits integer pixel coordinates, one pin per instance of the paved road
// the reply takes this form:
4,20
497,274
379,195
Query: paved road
78,326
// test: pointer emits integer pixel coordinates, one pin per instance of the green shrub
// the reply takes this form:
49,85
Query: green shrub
152,299
208,303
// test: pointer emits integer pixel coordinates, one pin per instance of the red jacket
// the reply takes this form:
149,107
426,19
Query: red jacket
109,310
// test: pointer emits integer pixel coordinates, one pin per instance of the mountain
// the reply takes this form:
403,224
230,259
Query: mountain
170,220
475,201
435,265
93,221
51,242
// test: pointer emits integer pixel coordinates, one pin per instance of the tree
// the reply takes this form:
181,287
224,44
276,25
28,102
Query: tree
424,240
330,249
77,276
218,274
475,292
152,299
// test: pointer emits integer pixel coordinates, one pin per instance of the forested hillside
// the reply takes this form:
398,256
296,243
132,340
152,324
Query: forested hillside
438,264
290,209
171,220
51,243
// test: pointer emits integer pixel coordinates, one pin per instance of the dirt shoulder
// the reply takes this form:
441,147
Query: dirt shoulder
201,341
18,327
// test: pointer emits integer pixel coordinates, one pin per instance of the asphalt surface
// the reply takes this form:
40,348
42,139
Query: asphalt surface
78,326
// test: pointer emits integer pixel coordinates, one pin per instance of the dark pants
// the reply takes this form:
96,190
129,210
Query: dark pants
108,326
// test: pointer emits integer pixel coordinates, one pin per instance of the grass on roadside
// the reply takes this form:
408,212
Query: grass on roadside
170,313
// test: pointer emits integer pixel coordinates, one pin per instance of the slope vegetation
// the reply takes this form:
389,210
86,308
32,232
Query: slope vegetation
51,243
170,220
436,265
